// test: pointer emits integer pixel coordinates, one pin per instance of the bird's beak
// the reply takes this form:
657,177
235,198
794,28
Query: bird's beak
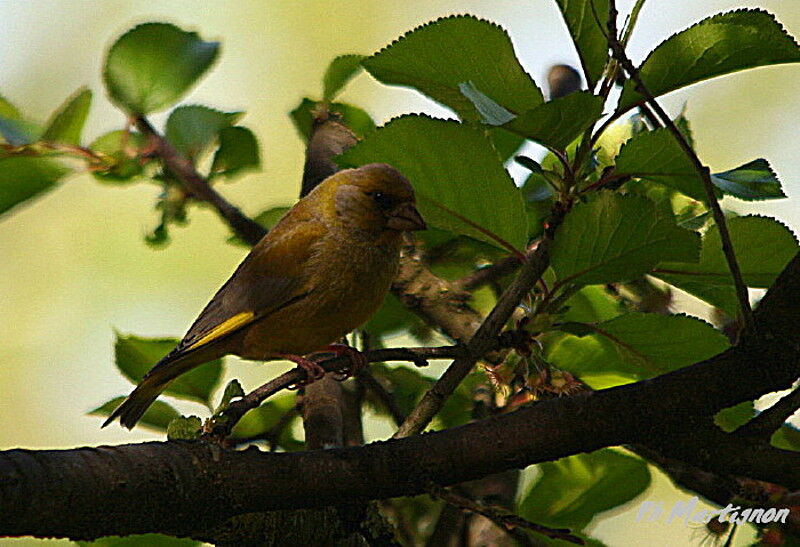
405,217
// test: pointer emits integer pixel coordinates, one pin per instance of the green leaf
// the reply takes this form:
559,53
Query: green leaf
557,123
617,238
186,428
237,152
753,181
505,142
340,71
656,156
263,419
157,416
352,116
134,356
152,540
731,418
122,147
19,132
192,128
232,391
153,65
391,318
572,491
491,112
24,177
267,219
763,247
66,123
639,344
406,385
586,21
721,44
786,437
8,110
437,57
590,305
453,168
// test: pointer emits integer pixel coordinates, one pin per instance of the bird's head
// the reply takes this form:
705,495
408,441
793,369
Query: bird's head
373,199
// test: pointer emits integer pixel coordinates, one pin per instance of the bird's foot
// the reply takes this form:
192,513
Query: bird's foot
313,371
357,360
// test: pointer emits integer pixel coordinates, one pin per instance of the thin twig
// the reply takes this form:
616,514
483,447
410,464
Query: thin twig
769,420
500,516
491,273
383,395
484,337
245,227
719,218
239,407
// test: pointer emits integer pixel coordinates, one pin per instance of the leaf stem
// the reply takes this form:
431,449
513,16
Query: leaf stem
618,51
245,227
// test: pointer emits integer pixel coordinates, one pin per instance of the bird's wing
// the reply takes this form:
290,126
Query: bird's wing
271,277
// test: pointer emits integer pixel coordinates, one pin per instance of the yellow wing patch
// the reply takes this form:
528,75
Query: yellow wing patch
226,327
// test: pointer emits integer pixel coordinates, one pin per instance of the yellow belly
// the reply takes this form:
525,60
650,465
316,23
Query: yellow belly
356,284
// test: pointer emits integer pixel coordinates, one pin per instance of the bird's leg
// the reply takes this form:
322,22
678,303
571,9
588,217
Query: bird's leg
357,360
313,371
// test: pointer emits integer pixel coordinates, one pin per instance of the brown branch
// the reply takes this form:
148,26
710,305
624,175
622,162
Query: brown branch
770,419
618,51
501,517
194,183
479,344
239,407
175,487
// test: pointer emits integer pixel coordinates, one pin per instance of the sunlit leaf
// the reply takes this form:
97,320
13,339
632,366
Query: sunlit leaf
453,167
339,72
572,491
439,56
25,177
184,428
763,247
237,152
134,356
729,419
192,128
753,181
137,540
123,147
153,65
721,44
157,416
66,123
617,238
586,21
656,156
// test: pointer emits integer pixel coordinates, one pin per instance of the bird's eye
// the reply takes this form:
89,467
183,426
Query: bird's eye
384,201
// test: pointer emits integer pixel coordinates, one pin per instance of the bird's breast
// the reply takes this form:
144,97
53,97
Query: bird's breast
347,285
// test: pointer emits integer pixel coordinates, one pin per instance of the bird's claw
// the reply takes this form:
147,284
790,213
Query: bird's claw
312,369
358,361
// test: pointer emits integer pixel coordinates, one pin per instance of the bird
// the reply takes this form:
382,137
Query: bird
319,273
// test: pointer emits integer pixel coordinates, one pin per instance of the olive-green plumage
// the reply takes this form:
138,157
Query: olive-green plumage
318,274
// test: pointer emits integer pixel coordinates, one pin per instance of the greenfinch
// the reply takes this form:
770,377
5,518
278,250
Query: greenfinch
322,271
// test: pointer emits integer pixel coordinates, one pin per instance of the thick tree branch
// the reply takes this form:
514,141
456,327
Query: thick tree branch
156,486
179,487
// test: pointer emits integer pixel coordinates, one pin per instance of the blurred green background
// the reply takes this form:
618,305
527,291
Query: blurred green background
74,264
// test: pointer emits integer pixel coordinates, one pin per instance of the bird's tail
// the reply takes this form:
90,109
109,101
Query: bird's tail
160,376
